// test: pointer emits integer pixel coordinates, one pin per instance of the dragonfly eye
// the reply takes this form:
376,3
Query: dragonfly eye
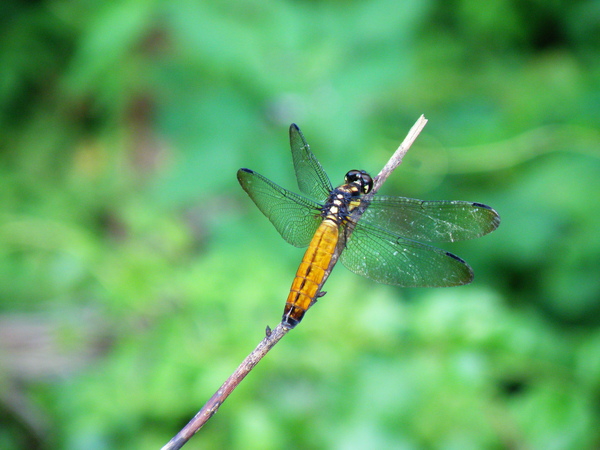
362,178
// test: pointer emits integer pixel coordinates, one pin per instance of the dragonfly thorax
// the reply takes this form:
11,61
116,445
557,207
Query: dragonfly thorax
340,203
346,197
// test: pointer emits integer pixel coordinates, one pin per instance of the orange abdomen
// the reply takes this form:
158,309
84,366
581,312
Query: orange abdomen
309,276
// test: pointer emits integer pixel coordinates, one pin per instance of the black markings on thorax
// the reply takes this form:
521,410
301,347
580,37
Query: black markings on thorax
339,204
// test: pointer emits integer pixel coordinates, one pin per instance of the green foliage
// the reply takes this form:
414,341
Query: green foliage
135,274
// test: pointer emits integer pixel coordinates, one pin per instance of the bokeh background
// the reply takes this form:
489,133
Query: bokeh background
135,274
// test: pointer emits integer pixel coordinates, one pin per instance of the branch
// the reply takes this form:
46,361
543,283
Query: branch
212,405
274,336
398,155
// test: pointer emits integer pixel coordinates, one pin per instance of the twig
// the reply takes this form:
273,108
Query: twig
212,405
398,155
272,337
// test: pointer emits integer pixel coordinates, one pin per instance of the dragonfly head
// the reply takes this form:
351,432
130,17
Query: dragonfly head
360,178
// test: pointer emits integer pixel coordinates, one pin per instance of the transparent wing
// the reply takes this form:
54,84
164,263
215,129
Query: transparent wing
431,221
312,179
296,218
390,259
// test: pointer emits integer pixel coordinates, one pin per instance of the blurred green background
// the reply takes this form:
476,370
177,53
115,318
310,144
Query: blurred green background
135,274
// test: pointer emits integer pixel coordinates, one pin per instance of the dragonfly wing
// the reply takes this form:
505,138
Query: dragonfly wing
296,218
390,259
312,179
431,221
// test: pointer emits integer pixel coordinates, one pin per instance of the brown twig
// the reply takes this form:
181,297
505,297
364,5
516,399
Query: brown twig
272,337
398,155
212,405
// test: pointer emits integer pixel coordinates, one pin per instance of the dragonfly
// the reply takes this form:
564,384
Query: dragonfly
380,238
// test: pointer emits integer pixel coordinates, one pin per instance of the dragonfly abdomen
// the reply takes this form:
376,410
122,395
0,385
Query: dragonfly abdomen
309,277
